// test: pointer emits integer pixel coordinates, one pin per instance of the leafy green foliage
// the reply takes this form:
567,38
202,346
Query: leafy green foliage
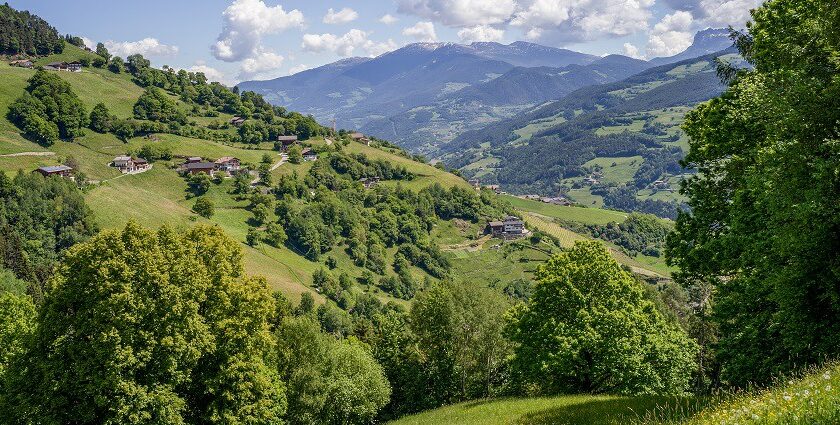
24,33
49,110
17,318
154,105
328,380
101,120
589,328
39,219
142,326
640,233
204,207
763,228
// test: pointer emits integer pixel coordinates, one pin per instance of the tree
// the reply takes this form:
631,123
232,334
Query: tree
49,109
260,214
295,154
764,220
101,120
275,235
329,381
116,65
155,105
252,238
589,328
17,318
199,183
124,129
204,207
147,326
102,51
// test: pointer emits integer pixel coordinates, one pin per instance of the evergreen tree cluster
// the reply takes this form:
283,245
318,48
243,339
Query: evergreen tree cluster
24,33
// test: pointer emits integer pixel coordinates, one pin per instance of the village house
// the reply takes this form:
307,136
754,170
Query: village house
509,228
475,184
129,165
309,155
494,187
194,159
369,182
56,170
23,63
228,164
532,197
590,181
64,66
557,201
208,168
237,121
661,185
286,142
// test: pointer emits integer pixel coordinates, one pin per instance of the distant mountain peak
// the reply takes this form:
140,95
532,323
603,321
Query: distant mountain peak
707,41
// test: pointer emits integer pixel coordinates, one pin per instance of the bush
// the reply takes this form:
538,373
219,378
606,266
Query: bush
204,207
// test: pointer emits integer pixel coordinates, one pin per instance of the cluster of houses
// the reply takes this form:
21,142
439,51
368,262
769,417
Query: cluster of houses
286,142
197,164
129,165
556,200
509,228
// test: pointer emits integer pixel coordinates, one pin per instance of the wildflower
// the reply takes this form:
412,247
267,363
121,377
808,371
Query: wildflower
787,397
826,376
828,387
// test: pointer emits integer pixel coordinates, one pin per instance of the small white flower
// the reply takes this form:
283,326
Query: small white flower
787,397
828,387
826,376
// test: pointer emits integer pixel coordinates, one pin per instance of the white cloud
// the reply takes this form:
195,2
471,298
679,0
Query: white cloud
388,19
298,68
149,47
263,65
632,51
460,13
246,22
347,44
90,44
343,16
717,13
671,35
577,20
481,33
422,31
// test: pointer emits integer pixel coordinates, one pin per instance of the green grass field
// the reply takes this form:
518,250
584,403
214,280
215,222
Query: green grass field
577,214
617,169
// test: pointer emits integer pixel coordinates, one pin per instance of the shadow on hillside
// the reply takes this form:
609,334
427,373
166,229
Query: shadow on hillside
619,411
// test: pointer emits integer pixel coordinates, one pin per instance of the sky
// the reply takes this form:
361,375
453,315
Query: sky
237,40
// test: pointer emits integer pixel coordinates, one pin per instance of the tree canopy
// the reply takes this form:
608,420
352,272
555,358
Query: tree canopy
589,328
145,326
765,207
49,110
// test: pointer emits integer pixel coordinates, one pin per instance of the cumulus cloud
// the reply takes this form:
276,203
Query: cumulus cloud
388,19
717,13
421,31
263,65
671,35
149,47
460,13
342,16
90,44
480,33
579,20
246,22
347,44
632,51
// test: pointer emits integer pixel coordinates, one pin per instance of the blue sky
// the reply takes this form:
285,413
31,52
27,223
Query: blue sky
233,40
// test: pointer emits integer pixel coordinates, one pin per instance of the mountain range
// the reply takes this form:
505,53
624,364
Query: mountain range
424,95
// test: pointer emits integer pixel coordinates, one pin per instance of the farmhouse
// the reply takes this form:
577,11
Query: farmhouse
237,121
208,168
129,165
590,180
494,187
287,141
64,66
357,136
510,228
23,63
309,155
228,163
475,184
369,182
55,170
194,159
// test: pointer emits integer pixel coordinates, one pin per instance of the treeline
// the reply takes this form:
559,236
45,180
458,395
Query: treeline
639,234
24,33
39,219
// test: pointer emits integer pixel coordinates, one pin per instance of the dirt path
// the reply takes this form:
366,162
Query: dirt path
470,246
273,167
12,155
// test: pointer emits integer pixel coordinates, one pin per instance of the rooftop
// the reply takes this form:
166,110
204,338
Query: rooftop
55,168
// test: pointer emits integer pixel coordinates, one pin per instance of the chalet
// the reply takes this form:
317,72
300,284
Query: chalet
660,185
208,168
369,182
74,66
228,163
23,63
194,159
56,170
557,201
358,137
509,228
494,187
64,66
590,181
237,121
309,155
532,197
129,165
475,183
287,141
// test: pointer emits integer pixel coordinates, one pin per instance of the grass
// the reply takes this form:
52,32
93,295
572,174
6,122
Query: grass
576,214
426,174
561,410
617,169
